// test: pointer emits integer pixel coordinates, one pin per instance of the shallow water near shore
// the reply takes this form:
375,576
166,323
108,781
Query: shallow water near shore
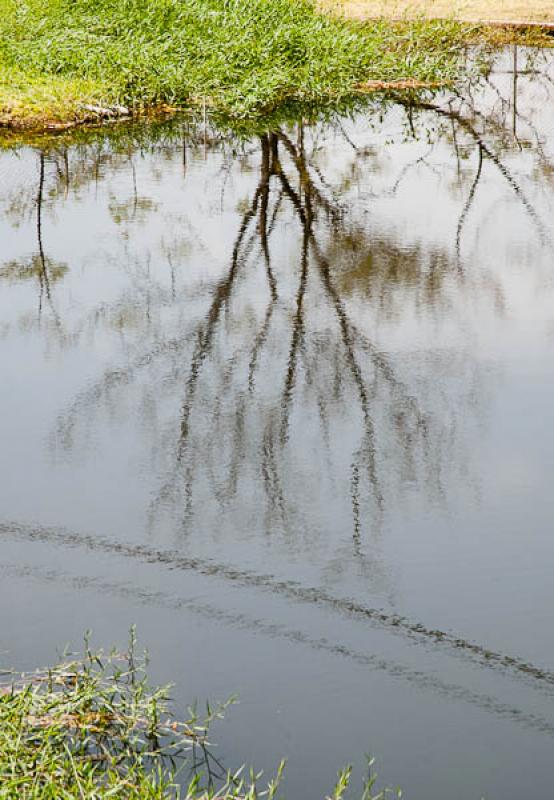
287,405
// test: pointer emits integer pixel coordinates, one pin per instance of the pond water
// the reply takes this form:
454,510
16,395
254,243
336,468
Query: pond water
287,404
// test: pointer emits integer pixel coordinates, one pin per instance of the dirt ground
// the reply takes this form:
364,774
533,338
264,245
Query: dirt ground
474,10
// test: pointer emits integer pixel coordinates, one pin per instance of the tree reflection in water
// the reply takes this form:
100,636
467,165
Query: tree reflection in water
282,375
296,397
284,397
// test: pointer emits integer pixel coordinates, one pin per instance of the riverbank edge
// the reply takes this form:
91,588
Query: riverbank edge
86,110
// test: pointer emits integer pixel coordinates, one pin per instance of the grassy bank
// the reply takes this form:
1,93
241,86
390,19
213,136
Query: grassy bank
66,60
93,729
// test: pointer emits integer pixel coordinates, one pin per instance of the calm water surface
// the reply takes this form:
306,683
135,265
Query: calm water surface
288,405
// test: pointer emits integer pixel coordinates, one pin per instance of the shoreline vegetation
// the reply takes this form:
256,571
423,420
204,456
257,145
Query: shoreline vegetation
68,62
93,728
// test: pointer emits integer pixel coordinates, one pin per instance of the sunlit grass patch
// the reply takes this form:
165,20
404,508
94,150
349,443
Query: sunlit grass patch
243,57
48,99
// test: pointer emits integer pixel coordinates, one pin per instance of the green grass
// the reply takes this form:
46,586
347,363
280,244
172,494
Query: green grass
242,57
93,728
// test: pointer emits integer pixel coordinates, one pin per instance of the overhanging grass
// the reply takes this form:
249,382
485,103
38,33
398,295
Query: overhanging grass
94,729
243,57
88,728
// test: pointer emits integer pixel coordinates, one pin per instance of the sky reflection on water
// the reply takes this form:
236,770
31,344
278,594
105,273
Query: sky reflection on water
287,405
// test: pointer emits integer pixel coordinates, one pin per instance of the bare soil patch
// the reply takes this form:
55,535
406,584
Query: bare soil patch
471,10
